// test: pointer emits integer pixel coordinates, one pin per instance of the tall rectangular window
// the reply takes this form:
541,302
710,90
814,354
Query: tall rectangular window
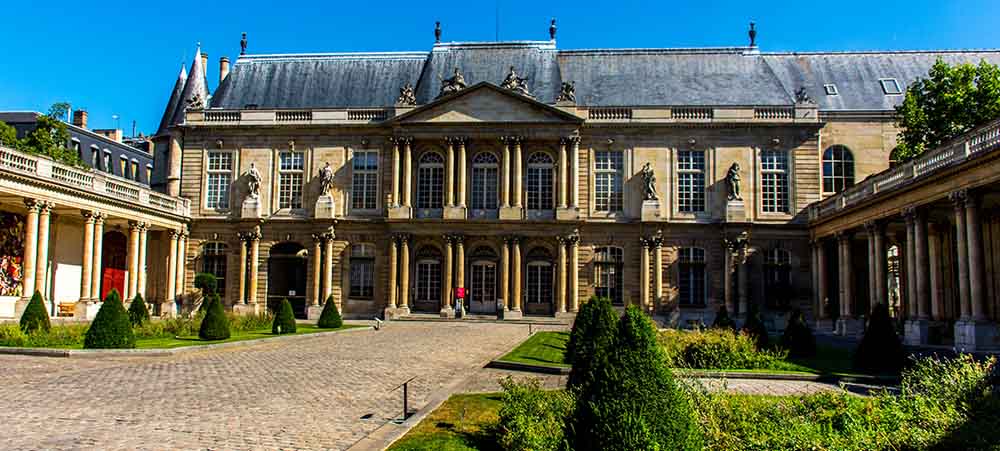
362,271
364,184
774,181
608,181
220,173
290,173
692,276
214,262
778,278
608,265
691,181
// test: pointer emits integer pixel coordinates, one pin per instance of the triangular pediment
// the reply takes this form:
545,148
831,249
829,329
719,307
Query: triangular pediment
486,103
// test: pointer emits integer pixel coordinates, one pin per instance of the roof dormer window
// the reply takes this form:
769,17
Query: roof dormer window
831,89
890,86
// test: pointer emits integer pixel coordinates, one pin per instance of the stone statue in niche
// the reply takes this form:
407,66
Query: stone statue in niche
453,84
733,182
567,92
649,180
515,83
253,182
407,96
326,179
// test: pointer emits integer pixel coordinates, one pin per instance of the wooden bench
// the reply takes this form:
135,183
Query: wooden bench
66,308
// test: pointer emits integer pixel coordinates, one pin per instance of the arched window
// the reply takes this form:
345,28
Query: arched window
778,278
213,261
362,271
838,169
691,271
484,181
428,283
430,181
540,181
538,281
608,265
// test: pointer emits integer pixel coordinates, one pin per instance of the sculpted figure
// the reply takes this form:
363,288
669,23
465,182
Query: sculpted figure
454,84
649,179
567,93
733,182
515,83
326,179
407,96
253,181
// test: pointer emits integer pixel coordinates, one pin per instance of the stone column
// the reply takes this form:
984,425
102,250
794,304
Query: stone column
86,267
446,288
328,238
563,170
393,269
821,282
449,174
742,279
958,201
518,192
575,175
317,269
910,216
934,259
141,283
244,239
561,276
870,246
847,324
133,261
396,176
977,265
516,269
181,262
96,270
505,172
404,273
42,261
30,248
657,272
644,246
923,278
505,273
407,172
574,272
727,276
462,163
881,276
459,260
171,274
255,237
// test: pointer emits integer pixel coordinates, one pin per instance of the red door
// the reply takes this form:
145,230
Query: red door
113,263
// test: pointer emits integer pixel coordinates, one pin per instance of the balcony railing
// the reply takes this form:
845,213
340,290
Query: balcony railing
972,145
90,181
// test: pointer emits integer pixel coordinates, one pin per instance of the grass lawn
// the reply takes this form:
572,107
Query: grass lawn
462,423
542,348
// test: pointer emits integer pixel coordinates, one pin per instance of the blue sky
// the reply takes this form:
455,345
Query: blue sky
122,57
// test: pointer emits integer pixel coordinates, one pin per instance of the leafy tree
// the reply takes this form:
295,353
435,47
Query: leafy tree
35,317
49,138
330,318
111,327
284,320
59,111
215,325
138,312
636,403
952,100
8,134
591,345
880,350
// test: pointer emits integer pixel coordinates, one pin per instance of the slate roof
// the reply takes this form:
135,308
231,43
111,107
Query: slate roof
173,102
729,76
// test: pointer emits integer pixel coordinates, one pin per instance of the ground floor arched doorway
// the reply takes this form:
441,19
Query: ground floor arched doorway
483,281
113,266
539,278
286,277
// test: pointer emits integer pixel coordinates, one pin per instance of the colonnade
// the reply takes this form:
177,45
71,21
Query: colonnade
651,245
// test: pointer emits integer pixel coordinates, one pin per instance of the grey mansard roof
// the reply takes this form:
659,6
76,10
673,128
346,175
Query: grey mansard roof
732,76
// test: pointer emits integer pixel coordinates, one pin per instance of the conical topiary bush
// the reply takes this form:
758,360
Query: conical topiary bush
138,312
284,320
798,339
35,317
722,320
880,350
330,318
215,325
755,328
591,347
111,327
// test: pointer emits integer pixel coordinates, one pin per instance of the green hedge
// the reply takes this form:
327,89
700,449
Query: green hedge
330,318
111,327
215,325
722,320
138,312
532,419
35,318
284,320
716,349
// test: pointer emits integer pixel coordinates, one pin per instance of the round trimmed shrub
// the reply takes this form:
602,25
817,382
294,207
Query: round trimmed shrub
206,282
880,350
636,404
284,320
798,338
138,312
111,327
35,317
722,320
755,328
591,345
330,318
215,325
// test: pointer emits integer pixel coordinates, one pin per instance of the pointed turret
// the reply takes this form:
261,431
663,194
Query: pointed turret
195,94
175,99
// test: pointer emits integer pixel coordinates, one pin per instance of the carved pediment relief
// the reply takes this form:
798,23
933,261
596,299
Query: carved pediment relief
486,103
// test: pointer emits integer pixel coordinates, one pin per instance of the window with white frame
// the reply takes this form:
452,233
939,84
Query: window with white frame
95,157
291,166
608,167
485,179
539,184
691,272
430,181
691,181
362,271
219,177
123,166
890,86
608,265
778,278
78,149
213,261
838,169
106,161
774,181
364,180
134,169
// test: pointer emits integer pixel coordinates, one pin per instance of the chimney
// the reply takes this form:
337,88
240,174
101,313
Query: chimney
223,68
204,61
80,119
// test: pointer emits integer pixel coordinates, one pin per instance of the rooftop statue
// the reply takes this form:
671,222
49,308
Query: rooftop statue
452,85
407,96
515,83
733,182
567,92
253,181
